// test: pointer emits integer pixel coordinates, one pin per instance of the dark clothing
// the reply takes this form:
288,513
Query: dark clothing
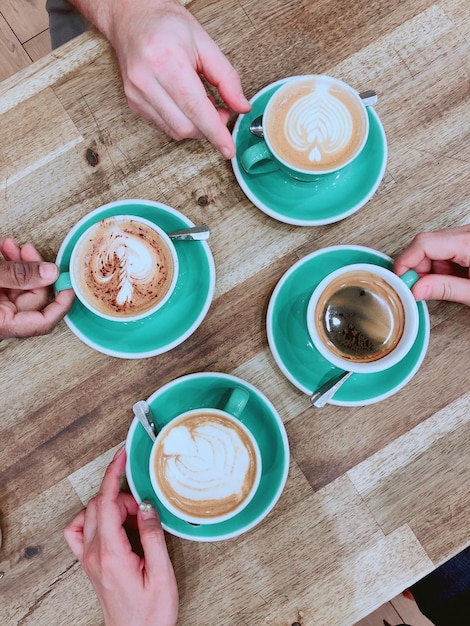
443,596
65,22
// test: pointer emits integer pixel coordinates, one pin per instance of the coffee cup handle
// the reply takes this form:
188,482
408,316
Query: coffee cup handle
409,278
63,282
237,401
257,159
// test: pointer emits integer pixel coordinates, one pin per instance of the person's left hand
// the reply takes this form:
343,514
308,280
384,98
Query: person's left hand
131,590
24,293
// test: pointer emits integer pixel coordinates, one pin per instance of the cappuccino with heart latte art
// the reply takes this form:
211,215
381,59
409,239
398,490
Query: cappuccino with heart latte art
316,124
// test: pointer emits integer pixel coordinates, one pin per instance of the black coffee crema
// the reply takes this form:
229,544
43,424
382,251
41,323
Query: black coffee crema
360,317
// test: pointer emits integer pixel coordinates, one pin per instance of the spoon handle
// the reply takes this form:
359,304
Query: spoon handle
195,233
369,97
142,412
323,395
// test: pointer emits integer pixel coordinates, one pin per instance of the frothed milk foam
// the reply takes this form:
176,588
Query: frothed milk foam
315,124
205,465
125,268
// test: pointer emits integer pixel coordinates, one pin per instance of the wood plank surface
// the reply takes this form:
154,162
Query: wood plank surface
377,495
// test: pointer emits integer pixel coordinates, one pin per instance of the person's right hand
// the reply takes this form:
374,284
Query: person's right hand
442,259
162,52
132,590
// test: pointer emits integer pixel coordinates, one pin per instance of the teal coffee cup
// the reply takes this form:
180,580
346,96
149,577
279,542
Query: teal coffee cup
256,421
205,465
312,125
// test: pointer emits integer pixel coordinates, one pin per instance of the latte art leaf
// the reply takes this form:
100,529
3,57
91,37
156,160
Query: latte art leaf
320,124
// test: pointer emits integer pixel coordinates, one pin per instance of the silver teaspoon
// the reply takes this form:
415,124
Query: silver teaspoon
194,233
369,98
142,412
323,395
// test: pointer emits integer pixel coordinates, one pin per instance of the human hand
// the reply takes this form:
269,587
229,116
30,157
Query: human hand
24,281
132,591
442,259
162,51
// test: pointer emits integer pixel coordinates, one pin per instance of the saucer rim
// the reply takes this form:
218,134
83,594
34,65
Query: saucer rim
286,372
285,444
181,338
295,221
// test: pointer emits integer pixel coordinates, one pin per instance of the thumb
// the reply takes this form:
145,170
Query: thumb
443,287
152,538
27,275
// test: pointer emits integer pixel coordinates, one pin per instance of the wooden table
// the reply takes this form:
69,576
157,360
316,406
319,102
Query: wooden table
377,495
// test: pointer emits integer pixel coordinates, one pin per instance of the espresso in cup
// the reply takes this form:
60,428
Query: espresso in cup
122,268
360,317
205,466
363,318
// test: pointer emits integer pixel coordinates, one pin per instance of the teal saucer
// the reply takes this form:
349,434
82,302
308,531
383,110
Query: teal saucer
294,351
167,327
211,389
334,197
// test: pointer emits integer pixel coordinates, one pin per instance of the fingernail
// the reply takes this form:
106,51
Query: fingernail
226,152
244,101
147,510
118,453
48,271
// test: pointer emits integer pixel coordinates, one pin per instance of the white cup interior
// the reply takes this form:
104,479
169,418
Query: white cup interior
410,329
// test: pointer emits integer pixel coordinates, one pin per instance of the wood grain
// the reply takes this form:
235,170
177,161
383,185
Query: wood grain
377,495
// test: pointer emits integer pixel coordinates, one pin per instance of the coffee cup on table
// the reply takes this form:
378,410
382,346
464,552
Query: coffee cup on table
312,125
205,464
363,318
122,268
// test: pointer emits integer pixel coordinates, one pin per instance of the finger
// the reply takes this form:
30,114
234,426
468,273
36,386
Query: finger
29,253
442,287
111,483
152,538
10,250
73,534
194,115
25,276
162,111
220,73
451,245
34,323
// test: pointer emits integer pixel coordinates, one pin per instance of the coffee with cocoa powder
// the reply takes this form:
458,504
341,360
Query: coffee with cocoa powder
123,266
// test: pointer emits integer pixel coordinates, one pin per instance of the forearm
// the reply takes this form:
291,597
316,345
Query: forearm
103,13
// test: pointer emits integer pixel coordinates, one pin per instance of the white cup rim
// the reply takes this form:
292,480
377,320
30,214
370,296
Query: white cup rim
130,318
192,519
324,77
410,329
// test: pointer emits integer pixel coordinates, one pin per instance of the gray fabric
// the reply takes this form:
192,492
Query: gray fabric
65,22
